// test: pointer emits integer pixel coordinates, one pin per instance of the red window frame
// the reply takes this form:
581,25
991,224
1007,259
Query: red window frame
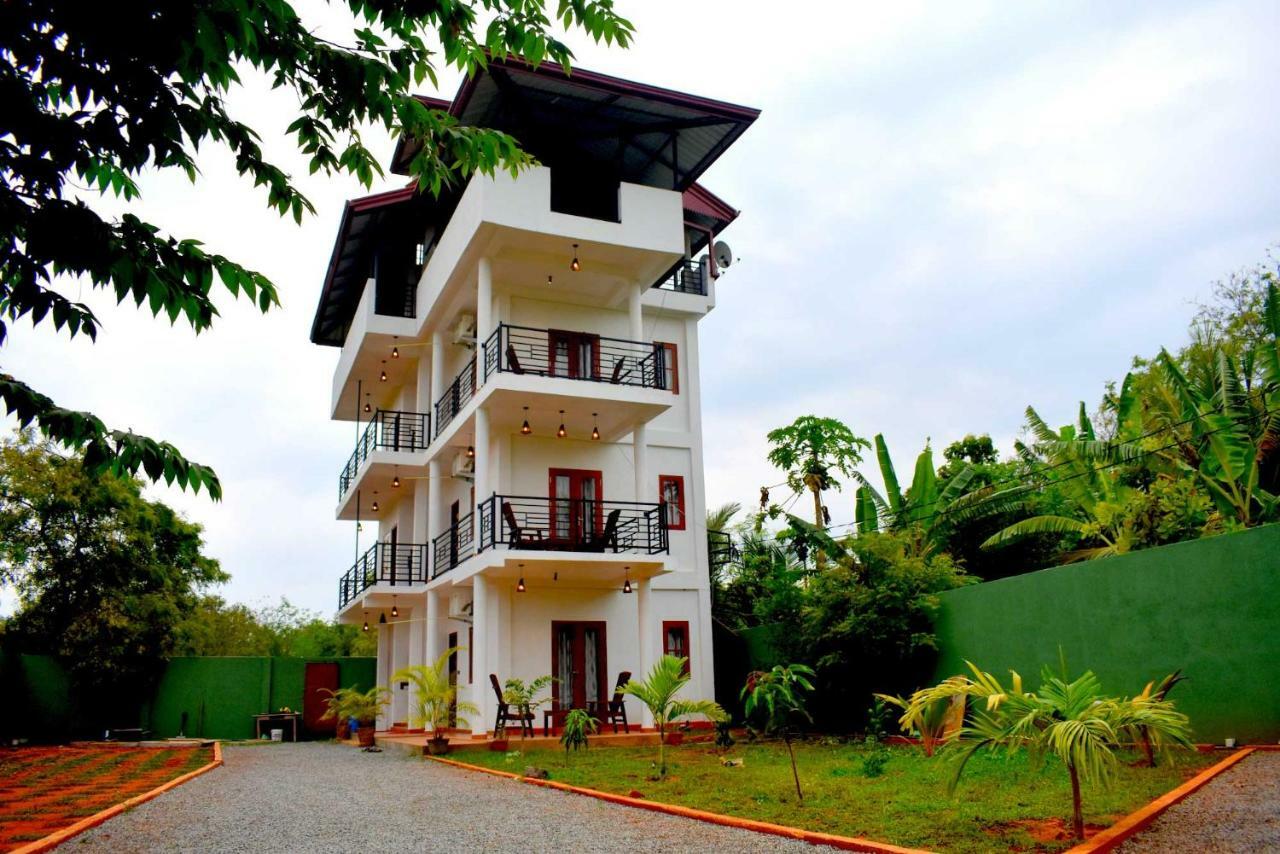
681,626
678,480
672,358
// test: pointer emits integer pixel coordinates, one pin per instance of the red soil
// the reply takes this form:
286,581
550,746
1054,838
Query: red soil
44,789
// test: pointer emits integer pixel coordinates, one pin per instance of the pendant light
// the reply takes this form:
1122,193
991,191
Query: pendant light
395,481
395,350
395,612
382,618
520,584
365,627
374,508
367,406
561,432
626,583
574,265
471,452
382,377
595,428
525,429
549,279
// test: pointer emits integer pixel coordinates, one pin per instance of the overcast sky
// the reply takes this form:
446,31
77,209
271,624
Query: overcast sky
950,211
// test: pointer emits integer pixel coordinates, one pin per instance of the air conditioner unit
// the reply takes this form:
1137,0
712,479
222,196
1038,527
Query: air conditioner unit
464,466
460,607
464,330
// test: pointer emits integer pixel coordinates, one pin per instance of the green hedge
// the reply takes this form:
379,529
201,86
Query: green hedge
1210,607
219,695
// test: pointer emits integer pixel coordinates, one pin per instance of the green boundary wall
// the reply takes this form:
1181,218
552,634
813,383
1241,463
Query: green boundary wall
1210,607
219,695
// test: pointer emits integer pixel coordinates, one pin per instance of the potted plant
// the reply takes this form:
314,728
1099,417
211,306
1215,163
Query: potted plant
364,706
433,700
336,706
523,697
658,693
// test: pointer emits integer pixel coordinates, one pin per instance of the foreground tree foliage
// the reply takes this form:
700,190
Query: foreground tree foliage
103,575
94,94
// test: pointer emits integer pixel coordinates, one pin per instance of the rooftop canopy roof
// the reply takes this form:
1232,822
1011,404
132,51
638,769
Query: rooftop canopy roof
657,137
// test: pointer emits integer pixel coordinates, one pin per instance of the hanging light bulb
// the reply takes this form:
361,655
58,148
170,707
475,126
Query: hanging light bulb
626,583
374,508
382,377
549,280
395,481
365,628
382,618
367,407
574,265
525,429
395,349
561,432
520,583
395,612
595,428
471,452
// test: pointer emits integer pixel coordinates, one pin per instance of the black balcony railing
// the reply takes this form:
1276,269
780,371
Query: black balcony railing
574,525
721,550
388,430
384,563
687,277
456,396
455,545
573,355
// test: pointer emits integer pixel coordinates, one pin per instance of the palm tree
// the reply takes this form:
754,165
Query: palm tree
434,699
1072,720
658,692
776,693
720,518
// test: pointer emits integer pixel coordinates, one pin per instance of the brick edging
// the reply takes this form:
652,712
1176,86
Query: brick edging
60,836
847,843
1138,820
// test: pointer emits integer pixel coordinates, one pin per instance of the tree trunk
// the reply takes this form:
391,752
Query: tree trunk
1146,748
662,750
794,773
1077,816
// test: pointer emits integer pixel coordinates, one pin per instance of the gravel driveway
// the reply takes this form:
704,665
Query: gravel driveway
323,797
1238,811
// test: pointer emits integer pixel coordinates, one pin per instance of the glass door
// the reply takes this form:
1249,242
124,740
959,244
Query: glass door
579,664
574,354
576,513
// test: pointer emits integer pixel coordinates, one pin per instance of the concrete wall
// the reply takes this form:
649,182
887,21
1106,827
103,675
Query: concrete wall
1210,607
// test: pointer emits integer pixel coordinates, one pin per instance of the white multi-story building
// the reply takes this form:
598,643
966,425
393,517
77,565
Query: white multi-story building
519,357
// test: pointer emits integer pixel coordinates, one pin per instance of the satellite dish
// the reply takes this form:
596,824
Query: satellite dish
723,254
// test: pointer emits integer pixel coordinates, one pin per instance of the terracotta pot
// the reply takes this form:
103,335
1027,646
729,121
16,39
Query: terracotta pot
365,735
502,745
342,731
675,739
437,746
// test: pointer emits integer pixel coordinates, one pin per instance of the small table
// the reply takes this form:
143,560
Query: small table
555,717
290,718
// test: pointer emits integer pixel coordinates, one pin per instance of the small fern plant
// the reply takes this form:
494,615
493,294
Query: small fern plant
578,724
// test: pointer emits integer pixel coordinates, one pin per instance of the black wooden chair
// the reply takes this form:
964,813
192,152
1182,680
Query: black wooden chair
524,717
513,362
518,536
616,710
607,538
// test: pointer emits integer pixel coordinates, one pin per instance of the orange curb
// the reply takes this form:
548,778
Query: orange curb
847,843
1137,821
60,836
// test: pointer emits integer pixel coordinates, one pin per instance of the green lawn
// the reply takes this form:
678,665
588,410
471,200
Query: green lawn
1001,798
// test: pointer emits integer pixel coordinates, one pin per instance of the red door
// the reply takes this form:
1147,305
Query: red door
318,679
574,354
579,660
575,496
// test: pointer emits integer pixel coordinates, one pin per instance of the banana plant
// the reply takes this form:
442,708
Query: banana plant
1075,461
924,509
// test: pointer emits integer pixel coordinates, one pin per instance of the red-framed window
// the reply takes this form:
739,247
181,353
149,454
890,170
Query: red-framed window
670,366
675,640
671,493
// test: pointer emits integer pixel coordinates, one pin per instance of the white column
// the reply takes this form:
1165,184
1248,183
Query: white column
484,301
640,458
384,666
479,655
437,370
432,516
425,388
482,460
421,511
635,312
644,622
434,648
